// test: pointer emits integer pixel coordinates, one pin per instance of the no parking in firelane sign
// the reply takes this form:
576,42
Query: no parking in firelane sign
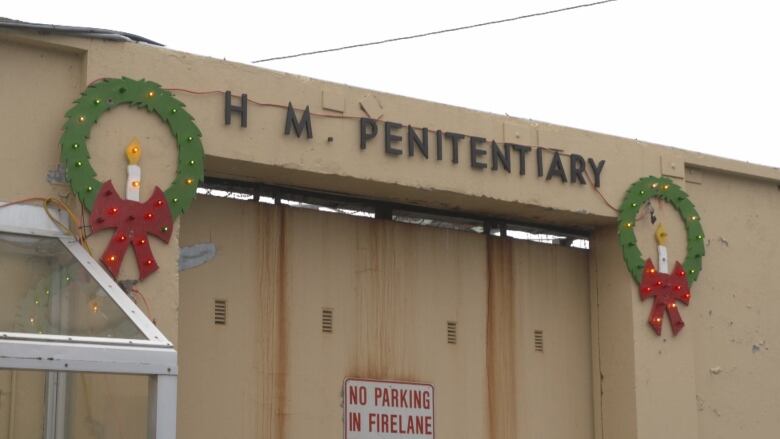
387,409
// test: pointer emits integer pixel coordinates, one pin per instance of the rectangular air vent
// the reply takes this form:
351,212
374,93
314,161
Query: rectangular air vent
327,320
220,312
538,340
452,332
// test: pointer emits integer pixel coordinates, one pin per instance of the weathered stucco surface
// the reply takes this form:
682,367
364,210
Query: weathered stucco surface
276,375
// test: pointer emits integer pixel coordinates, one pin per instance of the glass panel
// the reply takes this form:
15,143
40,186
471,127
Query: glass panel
93,406
101,406
22,404
47,291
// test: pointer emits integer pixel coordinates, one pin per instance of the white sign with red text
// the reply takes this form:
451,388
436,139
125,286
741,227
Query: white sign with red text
387,409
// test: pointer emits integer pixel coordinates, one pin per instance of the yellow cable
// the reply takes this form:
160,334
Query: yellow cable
46,202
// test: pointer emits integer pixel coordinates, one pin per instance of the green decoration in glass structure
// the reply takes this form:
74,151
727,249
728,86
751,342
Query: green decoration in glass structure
663,188
109,93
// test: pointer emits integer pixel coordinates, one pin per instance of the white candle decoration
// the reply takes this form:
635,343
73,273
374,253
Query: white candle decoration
133,190
663,260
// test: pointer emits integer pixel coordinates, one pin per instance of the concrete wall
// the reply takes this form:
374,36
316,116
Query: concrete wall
735,316
712,380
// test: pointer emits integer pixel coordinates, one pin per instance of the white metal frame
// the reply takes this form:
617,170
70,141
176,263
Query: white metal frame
154,357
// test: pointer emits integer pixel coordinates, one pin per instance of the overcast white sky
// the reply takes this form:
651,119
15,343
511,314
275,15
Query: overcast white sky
698,75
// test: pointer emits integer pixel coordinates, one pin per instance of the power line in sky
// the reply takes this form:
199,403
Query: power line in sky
442,31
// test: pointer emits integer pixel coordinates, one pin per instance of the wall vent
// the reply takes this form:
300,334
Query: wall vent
220,312
327,320
538,340
452,332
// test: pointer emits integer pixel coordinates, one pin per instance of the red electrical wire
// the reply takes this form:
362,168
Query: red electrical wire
146,304
342,116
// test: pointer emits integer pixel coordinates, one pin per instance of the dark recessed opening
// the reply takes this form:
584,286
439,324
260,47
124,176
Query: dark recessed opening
220,311
538,340
452,332
327,320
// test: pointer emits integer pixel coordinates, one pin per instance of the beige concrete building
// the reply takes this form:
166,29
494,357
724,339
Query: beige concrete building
397,240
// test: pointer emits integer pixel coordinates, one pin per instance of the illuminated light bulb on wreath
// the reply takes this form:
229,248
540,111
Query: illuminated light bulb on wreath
113,211
173,111
666,187
151,93
655,185
121,238
629,225
97,101
149,216
94,307
148,262
188,181
192,162
37,301
112,258
687,296
175,200
32,320
141,241
46,292
158,203
694,218
82,119
136,184
164,229
76,146
189,138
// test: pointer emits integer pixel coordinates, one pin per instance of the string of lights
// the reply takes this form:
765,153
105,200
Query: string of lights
437,32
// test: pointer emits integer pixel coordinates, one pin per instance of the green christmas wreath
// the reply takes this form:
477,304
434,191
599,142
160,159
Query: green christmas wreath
109,93
663,188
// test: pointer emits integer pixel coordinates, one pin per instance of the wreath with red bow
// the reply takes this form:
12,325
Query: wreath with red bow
666,288
134,221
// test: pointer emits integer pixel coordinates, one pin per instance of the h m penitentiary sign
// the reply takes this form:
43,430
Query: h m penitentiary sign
387,409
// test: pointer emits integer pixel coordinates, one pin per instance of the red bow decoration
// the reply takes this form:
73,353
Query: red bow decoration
133,222
666,290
